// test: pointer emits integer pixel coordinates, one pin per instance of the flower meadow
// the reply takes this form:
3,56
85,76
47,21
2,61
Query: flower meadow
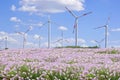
60,64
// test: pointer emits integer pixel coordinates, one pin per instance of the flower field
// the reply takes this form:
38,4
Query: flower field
60,64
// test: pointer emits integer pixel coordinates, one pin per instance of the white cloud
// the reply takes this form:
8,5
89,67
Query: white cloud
2,33
115,41
30,23
29,44
45,44
63,28
36,36
93,41
37,24
115,46
12,40
13,8
84,45
80,40
15,19
50,6
28,8
115,30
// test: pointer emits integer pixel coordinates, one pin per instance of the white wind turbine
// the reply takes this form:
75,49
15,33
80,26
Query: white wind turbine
76,23
24,35
61,41
99,42
62,28
106,31
6,39
1,41
49,30
39,38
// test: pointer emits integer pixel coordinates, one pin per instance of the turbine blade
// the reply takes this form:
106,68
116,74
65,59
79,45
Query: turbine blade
96,41
45,23
84,14
67,41
57,40
99,27
71,12
27,31
20,33
30,28
102,40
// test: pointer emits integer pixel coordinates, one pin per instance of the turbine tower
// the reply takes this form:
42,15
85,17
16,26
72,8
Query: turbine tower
106,31
76,23
49,30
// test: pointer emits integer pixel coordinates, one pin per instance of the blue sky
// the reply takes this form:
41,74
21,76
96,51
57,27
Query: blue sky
19,15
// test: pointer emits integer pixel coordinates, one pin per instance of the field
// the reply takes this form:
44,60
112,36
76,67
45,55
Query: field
60,64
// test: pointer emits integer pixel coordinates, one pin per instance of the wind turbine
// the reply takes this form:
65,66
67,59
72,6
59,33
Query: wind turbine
24,35
62,28
39,38
61,41
6,43
76,23
5,39
1,41
106,31
49,30
98,42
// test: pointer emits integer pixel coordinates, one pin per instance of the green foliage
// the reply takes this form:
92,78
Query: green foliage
115,76
28,60
69,73
81,47
105,74
114,51
115,59
2,68
72,47
12,73
90,76
109,52
93,47
102,52
71,62
24,68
